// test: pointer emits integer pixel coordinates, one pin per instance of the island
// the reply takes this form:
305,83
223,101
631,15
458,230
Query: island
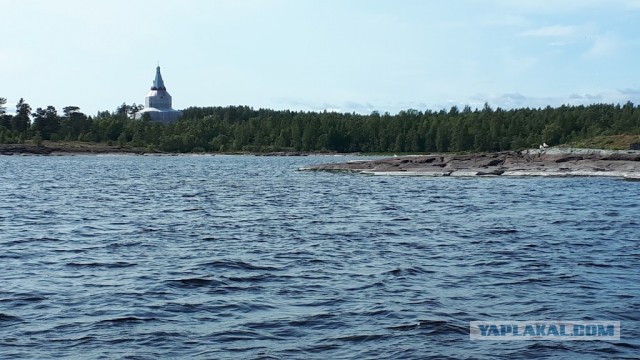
532,162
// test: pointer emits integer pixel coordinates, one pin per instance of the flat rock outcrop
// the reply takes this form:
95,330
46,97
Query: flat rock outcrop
24,149
545,162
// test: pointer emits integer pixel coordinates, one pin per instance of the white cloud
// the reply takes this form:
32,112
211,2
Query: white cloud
552,6
604,45
506,101
304,104
555,31
506,20
518,100
633,4
633,92
515,64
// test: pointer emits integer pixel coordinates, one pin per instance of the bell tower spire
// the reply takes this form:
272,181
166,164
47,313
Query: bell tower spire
158,84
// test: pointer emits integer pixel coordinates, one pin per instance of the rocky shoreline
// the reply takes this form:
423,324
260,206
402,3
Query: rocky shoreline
66,149
557,162
59,149
543,162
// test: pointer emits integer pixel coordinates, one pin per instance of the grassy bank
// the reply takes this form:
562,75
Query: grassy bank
610,142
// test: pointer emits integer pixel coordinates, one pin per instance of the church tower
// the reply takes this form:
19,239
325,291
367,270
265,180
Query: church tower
157,103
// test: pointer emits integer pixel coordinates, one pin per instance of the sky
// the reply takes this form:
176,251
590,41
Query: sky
313,55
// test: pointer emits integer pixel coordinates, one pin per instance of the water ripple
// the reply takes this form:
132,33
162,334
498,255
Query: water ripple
244,257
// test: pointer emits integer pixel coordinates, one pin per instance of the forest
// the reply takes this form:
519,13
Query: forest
245,129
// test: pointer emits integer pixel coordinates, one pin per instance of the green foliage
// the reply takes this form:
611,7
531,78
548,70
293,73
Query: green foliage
246,129
242,128
3,108
37,138
46,122
21,120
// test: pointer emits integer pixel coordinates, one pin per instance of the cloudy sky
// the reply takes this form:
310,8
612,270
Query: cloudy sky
345,55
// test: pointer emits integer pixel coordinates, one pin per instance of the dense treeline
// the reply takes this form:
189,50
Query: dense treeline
241,128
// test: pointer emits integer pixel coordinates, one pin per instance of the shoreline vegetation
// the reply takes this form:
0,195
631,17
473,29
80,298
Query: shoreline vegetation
243,129
555,162
75,148
48,148
457,142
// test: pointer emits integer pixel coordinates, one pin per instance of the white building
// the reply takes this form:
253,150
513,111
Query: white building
157,103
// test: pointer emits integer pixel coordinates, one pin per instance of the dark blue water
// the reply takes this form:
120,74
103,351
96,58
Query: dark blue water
245,257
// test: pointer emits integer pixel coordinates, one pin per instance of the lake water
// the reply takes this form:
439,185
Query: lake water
244,257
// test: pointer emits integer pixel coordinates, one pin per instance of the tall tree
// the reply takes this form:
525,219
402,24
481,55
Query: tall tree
21,121
3,108
5,120
68,110
74,123
46,122
123,109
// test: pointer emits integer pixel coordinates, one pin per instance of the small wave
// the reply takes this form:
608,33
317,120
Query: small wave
429,302
74,251
502,231
256,278
11,255
88,230
374,313
550,350
361,338
125,319
28,241
491,263
188,308
593,264
416,270
567,276
627,345
114,265
237,335
523,281
433,326
565,222
46,238
76,341
547,345
196,282
313,350
376,284
25,298
313,320
123,244
239,265
6,317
